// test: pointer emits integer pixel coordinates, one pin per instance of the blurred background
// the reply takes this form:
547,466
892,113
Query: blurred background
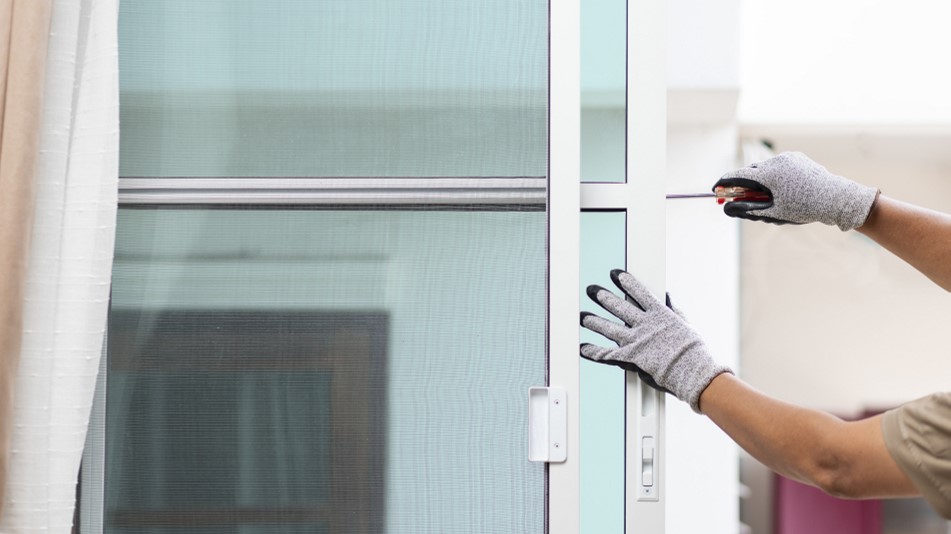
817,317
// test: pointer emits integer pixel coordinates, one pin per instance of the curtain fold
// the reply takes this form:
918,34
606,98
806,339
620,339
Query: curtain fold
65,301
24,31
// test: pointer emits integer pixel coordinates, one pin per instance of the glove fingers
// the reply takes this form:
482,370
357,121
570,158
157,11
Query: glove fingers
620,308
634,289
746,174
594,352
748,181
606,328
602,355
598,354
744,209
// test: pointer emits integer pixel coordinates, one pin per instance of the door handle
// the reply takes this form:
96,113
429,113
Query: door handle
547,424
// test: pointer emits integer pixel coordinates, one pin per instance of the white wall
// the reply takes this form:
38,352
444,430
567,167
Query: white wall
702,249
703,44
702,266
847,61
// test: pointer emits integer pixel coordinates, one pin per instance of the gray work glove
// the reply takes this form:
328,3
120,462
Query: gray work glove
802,192
655,341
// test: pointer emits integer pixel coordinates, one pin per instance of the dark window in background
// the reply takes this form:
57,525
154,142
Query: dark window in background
220,420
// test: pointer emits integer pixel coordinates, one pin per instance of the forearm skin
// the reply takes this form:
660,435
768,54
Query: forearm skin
844,459
920,236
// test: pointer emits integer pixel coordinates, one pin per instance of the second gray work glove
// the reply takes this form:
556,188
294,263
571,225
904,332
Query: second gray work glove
654,340
802,192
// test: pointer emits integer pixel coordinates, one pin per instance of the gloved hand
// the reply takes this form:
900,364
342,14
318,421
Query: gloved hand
803,192
654,340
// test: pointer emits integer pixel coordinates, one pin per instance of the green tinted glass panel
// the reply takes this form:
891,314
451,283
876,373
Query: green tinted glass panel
602,386
603,90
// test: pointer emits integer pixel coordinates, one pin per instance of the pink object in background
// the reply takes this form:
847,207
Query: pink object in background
802,509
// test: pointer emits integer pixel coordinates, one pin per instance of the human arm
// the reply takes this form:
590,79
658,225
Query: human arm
843,458
799,191
802,191
655,341
920,236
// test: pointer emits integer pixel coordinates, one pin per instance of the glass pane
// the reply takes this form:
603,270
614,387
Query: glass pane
324,371
603,90
329,88
602,386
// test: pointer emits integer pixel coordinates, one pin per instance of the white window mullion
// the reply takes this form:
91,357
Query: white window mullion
646,245
563,251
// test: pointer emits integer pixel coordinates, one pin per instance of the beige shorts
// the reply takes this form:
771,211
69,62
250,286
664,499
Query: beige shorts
918,436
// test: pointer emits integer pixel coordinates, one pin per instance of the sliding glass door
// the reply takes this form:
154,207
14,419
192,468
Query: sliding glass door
332,278
348,245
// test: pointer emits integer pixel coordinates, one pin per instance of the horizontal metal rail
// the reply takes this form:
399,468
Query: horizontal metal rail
334,191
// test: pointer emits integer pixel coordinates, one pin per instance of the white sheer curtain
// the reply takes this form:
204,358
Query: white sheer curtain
70,263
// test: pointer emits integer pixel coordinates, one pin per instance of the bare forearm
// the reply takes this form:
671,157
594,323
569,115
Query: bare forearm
847,459
919,236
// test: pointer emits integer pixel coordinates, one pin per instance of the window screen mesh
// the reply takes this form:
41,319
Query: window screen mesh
324,371
321,369
334,88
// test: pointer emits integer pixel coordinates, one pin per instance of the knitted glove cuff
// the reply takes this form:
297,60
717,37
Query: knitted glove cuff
855,211
699,382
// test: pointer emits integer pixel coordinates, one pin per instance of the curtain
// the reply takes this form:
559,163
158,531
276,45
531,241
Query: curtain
64,302
24,28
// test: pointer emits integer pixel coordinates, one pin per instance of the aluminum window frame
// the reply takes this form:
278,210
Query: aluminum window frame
642,196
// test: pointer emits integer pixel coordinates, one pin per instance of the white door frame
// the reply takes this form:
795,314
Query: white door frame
642,197
564,222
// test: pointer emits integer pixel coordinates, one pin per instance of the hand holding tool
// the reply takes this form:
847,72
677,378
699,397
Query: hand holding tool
800,191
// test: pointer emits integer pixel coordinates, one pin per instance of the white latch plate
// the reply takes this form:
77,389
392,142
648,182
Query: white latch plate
547,424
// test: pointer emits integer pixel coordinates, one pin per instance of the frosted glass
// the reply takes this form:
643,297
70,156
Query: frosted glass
602,386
